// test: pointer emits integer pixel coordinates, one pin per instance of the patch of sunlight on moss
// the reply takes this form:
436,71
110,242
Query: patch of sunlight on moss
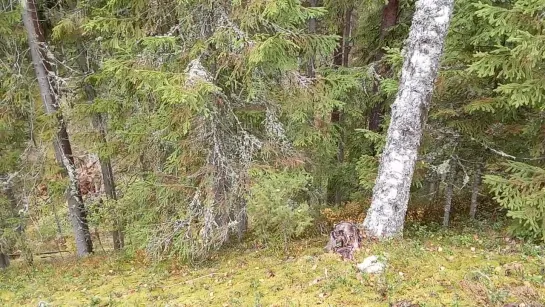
432,271
6,296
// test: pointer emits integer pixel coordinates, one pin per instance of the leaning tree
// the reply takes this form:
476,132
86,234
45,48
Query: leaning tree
422,54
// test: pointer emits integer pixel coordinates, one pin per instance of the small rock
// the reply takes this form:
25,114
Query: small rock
371,265
404,303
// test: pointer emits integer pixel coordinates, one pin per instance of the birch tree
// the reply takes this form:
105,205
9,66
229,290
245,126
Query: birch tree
63,148
422,54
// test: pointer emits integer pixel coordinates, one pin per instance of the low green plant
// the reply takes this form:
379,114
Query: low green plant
277,209
521,192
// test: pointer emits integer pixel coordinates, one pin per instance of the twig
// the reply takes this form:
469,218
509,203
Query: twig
200,277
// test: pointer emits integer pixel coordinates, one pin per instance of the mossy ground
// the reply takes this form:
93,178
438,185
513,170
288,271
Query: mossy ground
445,268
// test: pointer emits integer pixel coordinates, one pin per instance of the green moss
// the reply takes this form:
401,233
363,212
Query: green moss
450,269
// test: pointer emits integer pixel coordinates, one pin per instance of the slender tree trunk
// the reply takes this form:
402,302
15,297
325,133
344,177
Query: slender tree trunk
105,163
4,261
475,191
434,187
57,219
448,193
36,40
7,190
389,19
312,30
386,216
341,58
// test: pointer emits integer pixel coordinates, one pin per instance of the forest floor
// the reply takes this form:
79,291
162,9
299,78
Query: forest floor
447,268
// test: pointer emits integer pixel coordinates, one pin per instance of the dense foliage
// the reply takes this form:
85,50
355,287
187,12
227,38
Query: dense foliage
222,118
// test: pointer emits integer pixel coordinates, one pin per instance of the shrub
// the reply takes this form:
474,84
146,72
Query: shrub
277,211
522,193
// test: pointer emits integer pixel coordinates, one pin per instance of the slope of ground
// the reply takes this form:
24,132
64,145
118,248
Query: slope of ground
429,268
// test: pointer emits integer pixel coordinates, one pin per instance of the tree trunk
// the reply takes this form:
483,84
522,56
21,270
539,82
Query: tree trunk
36,41
311,30
435,182
386,216
340,58
105,163
4,261
389,19
475,191
448,193
7,190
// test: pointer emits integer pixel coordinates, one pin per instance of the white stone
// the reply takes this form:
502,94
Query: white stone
371,265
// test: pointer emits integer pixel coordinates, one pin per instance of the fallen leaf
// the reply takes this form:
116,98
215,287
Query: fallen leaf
317,280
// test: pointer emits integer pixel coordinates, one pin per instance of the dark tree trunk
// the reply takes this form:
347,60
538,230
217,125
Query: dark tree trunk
312,30
109,188
4,261
7,190
341,58
389,19
475,191
99,124
448,193
435,183
37,44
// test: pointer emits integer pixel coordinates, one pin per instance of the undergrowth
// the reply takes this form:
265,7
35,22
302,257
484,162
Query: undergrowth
475,265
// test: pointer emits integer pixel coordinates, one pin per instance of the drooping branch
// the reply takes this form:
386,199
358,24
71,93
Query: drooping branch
218,203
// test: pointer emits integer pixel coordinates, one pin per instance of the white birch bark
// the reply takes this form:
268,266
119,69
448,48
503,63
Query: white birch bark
422,54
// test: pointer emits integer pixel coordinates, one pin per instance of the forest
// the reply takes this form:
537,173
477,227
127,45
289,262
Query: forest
272,153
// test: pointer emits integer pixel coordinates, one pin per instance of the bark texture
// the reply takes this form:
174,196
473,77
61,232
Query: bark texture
422,53
475,191
448,193
63,149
